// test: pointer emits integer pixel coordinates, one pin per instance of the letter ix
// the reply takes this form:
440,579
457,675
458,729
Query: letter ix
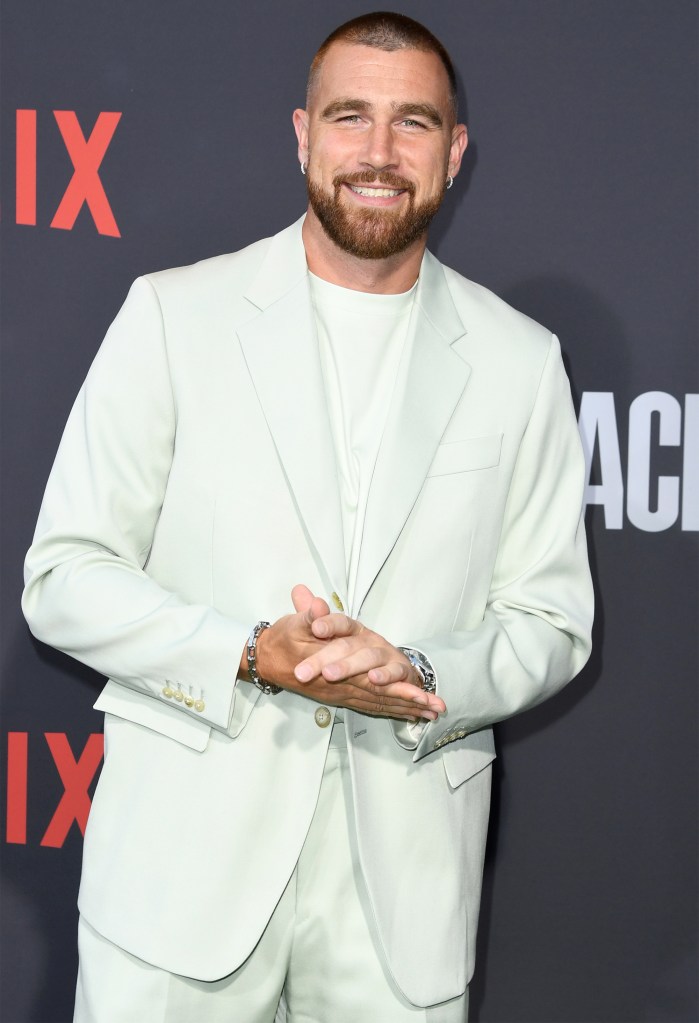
85,186
76,777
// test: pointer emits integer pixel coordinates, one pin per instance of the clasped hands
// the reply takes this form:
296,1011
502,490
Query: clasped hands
333,659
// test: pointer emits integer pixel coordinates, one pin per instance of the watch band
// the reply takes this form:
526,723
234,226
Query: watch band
422,666
253,676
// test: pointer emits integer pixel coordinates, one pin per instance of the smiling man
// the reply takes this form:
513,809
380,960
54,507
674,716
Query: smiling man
333,433
385,142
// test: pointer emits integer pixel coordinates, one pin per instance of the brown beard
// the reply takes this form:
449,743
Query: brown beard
372,233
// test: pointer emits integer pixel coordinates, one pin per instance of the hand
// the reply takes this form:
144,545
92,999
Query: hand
280,647
354,655
292,640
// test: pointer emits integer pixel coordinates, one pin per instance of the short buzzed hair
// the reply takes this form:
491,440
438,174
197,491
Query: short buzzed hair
388,31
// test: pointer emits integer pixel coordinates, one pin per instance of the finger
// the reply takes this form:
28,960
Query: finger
394,671
397,694
391,709
345,659
334,625
359,662
312,666
319,609
356,671
301,598
363,698
306,603
406,690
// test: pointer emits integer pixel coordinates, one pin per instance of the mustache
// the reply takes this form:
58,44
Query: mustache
386,178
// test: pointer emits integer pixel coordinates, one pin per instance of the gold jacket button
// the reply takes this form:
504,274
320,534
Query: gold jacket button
188,701
199,705
168,693
323,717
179,695
337,602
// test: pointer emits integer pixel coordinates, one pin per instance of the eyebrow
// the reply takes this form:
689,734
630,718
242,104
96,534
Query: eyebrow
400,110
425,110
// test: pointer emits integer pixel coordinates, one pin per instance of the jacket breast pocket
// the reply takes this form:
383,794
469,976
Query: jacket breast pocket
466,455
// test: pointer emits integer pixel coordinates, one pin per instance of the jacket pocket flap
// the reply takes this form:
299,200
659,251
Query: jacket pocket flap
461,760
145,710
466,455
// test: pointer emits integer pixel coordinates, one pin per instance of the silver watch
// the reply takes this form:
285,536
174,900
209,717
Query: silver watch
422,666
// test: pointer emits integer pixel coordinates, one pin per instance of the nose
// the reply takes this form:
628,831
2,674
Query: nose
379,151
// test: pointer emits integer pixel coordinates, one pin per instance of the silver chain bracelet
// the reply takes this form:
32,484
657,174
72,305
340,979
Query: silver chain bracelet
267,687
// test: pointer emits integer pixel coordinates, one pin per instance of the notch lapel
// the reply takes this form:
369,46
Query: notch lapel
281,351
431,380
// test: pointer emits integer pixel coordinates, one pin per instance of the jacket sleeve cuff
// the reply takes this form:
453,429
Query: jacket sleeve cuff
408,733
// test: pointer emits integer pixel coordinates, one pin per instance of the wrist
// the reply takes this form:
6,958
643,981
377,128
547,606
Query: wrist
422,668
417,679
264,668
255,668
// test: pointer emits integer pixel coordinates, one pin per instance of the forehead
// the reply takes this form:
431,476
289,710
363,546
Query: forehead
371,74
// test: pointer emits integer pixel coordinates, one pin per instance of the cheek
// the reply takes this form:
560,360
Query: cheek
325,165
429,169
330,151
430,184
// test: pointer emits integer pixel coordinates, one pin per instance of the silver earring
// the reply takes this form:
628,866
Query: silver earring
304,167
450,181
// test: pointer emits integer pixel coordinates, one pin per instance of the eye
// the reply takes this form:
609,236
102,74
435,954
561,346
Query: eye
410,122
349,119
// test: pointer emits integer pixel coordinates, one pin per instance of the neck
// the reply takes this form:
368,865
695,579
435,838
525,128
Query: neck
390,276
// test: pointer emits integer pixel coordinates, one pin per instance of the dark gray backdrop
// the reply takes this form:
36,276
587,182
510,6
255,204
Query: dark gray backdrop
578,205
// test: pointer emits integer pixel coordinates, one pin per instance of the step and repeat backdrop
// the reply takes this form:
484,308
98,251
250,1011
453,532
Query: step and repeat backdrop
141,136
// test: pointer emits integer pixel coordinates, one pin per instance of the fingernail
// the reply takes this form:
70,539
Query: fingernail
303,672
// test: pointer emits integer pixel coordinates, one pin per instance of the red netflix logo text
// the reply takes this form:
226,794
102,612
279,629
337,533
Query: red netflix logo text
76,774
85,186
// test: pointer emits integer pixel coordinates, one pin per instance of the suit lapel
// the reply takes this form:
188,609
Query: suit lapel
430,381
281,350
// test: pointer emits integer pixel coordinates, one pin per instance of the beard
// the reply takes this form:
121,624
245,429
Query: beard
375,233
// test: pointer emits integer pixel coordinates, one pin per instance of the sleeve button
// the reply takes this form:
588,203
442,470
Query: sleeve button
199,705
168,693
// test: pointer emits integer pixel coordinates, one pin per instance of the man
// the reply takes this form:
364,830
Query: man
291,817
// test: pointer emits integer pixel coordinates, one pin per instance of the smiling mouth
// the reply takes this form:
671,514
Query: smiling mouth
375,193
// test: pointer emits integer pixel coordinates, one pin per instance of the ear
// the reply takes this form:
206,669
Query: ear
300,119
459,142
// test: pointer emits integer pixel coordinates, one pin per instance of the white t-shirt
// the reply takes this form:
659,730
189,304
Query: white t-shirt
361,337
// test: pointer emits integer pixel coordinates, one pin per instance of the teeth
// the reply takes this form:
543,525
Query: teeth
383,193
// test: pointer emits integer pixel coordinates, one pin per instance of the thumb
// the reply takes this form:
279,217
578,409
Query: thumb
302,598
319,609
